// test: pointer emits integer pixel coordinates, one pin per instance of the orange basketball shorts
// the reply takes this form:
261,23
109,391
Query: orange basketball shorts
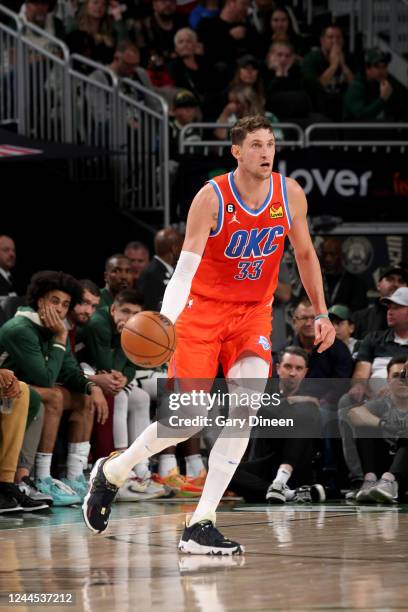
211,331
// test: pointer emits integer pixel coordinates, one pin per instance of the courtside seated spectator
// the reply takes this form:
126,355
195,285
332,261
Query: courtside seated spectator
117,278
139,257
13,497
276,461
377,348
381,429
38,351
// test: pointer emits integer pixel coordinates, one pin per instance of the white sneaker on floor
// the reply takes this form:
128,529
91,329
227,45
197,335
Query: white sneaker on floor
385,491
135,489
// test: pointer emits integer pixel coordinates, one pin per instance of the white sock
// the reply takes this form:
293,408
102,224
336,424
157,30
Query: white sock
167,462
43,465
138,413
282,476
147,444
142,470
194,465
77,459
222,463
120,420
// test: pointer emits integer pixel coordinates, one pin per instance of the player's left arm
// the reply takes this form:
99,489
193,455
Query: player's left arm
308,264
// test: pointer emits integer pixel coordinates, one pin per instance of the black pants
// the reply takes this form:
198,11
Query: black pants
375,457
252,478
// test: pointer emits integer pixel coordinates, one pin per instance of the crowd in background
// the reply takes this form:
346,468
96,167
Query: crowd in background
70,395
233,57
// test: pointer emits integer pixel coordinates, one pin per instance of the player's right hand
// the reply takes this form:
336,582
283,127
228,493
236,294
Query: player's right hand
325,334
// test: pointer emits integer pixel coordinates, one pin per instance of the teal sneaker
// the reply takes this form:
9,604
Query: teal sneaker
62,494
79,485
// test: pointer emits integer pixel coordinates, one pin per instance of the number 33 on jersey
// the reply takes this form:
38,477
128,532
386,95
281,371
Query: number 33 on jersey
242,256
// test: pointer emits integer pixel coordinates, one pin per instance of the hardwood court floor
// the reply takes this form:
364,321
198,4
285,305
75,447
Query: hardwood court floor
327,557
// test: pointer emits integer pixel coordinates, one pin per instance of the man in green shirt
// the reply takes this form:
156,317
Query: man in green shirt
36,347
118,276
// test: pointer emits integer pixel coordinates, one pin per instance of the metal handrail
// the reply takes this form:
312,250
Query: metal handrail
354,126
19,73
163,116
225,143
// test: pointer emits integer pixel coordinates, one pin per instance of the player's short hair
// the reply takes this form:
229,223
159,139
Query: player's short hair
45,281
109,261
247,125
89,285
135,245
128,296
398,359
295,350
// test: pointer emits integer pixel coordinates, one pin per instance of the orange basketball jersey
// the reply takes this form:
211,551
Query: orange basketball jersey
241,258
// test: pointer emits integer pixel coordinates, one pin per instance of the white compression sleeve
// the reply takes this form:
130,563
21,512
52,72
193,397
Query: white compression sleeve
178,289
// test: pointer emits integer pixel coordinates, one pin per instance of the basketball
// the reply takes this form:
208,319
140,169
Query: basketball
148,339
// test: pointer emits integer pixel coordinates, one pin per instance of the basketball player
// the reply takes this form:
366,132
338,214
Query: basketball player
227,274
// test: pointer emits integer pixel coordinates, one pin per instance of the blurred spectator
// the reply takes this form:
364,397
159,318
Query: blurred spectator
243,100
83,44
226,37
282,69
7,263
285,93
159,29
326,73
281,29
374,95
126,65
139,258
385,451
340,286
248,73
282,296
103,21
274,460
41,14
189,70
374,318
159,74
118,277
205,9
342,320
154,279
378,347
185,111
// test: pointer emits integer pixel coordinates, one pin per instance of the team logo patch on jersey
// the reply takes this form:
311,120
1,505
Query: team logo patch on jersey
276,211
264,342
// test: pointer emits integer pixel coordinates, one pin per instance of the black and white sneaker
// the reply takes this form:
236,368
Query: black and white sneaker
310,494
276,493
26,503
203,538
8,504
96,507
28,487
